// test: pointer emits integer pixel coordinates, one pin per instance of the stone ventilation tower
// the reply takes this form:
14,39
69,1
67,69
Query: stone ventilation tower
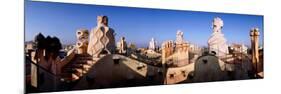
179,37
82,41
102,39
217,41
254,34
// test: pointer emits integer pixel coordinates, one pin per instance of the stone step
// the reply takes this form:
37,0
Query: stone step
87,66
67,70
82,62
84,58
66,77
78,72
102,55
75,66
83,66
86,63
75,74
82,55
74,77
85,71
96,59
72,69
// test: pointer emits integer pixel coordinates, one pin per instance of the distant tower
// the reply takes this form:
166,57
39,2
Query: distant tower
152,44
254,34
122,46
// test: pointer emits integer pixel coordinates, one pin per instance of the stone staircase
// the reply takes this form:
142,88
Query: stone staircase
77,67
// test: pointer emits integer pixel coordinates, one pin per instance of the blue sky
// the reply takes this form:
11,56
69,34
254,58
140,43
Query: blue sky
137,25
